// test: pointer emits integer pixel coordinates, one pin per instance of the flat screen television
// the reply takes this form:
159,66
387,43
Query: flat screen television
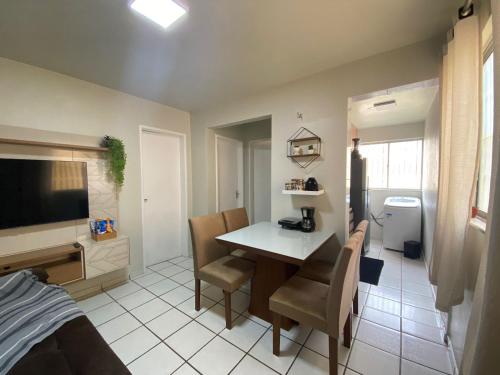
42,191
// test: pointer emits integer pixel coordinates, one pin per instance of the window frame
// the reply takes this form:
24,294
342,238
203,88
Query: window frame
487,52
388,142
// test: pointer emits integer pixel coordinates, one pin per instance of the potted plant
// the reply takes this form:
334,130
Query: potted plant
117,158
310,149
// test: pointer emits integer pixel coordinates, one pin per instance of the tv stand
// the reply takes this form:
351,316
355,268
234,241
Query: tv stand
64,264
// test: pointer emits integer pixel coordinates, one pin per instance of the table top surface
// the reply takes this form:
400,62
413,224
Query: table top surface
272,238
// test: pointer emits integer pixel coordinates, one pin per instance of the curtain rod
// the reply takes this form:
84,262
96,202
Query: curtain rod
466,10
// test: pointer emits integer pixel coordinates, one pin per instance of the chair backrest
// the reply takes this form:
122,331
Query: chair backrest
206,249
329,251
235,219
339,301
361,228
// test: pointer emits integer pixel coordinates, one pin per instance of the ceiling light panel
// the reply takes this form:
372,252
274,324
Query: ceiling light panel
163,12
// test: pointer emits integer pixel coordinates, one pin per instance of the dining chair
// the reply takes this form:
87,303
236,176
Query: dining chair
213,263
236,219
327,308
320,267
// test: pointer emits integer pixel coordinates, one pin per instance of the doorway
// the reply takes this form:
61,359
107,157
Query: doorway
164,195
390,126
229,173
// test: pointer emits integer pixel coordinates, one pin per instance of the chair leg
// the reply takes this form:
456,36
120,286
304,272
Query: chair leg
276,334
227,303
197,294
355,303
348,331
333,349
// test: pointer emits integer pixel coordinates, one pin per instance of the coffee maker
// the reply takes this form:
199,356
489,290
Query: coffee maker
308,223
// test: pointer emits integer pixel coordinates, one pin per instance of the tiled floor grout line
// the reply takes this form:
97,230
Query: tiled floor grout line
218,335
238,315
191,320
247,353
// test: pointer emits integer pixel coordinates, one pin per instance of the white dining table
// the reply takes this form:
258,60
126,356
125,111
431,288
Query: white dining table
279,253
269,239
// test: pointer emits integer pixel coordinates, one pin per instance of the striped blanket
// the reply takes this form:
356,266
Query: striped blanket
29,312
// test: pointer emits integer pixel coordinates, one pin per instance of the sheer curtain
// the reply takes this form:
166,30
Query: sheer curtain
458,159
481,352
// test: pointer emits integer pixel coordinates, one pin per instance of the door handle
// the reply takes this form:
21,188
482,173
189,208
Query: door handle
146,199
237,194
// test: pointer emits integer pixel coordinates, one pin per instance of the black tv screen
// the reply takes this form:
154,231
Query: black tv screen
42,191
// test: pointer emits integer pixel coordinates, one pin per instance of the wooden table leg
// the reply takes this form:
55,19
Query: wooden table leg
270,274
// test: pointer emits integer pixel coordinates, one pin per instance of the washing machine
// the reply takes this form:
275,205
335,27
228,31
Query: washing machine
402,221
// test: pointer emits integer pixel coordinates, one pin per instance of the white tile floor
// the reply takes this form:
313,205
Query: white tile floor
151,324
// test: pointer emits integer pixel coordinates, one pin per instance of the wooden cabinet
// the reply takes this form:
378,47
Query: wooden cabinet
106,256
63,264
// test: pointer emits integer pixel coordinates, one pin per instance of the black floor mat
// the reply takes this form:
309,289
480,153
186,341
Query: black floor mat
370,270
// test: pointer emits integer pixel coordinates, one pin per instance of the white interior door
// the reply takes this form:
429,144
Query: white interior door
163,186
229,173
261,184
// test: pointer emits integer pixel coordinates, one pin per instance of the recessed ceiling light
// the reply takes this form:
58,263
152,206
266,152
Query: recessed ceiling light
163,12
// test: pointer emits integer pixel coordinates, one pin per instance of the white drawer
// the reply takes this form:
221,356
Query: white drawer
101,258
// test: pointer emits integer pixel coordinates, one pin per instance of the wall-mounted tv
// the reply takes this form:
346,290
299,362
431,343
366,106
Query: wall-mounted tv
42,191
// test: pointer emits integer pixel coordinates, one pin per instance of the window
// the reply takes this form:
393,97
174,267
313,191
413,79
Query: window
394,165
486,140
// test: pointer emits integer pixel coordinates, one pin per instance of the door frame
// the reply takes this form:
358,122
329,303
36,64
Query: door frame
250,173
240,144
184,189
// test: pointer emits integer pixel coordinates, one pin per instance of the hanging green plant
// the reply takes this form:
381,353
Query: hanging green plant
117,158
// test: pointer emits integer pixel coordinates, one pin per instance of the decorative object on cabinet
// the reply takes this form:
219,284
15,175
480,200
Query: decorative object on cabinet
117,158
355,149
102,230
63,264
304,147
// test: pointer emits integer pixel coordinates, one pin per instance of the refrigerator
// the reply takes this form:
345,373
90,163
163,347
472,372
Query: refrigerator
359,196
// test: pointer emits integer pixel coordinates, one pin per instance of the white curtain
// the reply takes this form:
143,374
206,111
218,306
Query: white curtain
482,345
458,160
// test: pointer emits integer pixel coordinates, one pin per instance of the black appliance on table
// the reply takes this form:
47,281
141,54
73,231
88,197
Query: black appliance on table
291,223
308,223
359,193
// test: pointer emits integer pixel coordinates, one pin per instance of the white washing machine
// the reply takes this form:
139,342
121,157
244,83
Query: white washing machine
402,221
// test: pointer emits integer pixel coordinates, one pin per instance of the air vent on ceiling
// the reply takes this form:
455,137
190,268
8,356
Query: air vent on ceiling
382,106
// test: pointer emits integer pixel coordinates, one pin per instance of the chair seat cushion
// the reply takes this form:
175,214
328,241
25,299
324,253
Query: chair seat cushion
239,253
317,270
228,272
302,300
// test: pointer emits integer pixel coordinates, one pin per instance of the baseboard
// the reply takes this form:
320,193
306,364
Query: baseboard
451,354
88,288
444,322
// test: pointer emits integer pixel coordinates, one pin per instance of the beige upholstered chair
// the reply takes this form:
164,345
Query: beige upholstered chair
321,306
320,266
236,219
212,262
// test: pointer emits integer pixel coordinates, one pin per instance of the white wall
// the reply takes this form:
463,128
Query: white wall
43,100
392,133
323,100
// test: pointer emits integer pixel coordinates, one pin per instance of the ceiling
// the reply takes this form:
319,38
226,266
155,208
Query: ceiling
220,51
412,105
